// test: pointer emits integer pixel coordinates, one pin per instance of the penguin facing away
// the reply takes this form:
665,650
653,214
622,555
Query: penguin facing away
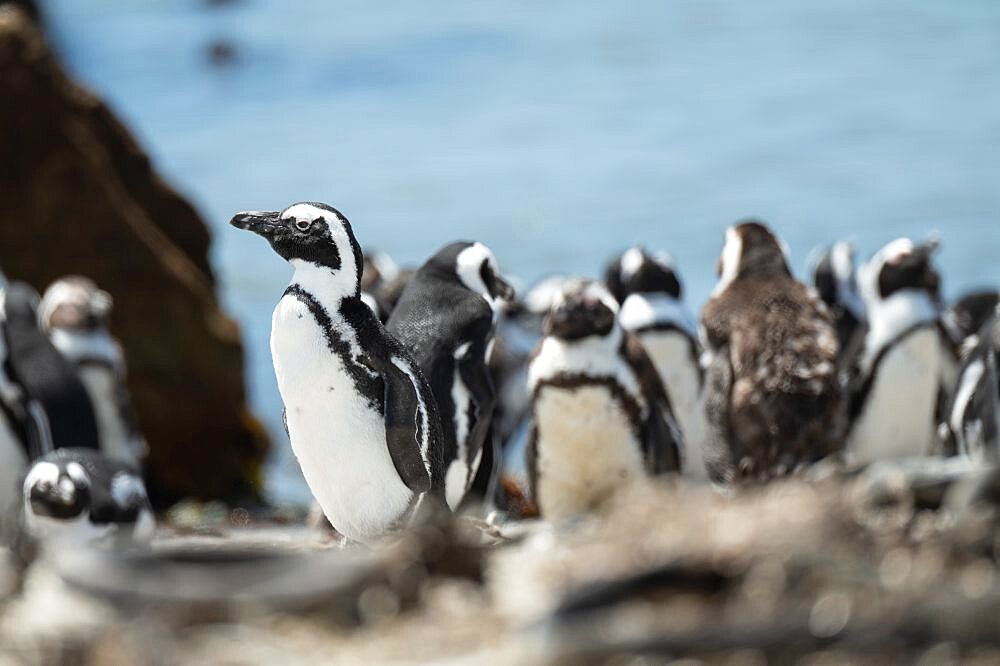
360,415
55,399
772,397
82,495
75,314
650,291
899,377
835,278
446,319
601,417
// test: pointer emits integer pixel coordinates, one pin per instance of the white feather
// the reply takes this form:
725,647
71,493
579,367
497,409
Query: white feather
641,311
731,253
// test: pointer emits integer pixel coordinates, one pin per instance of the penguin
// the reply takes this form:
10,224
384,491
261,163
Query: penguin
650,292
970,313
446,319
13,422
379,271
82,495
360,416
899,377
55,400
972,428
600,415
772,397
75,313
835,278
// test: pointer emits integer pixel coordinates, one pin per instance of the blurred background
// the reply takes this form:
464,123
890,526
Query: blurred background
557,133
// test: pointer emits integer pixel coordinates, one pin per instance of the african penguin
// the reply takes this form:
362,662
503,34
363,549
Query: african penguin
834,277
649,290
600,415
899,377
772,397
379,270
75,313
82,495
970,313
13,445
55,400
972,427
360,415
446,319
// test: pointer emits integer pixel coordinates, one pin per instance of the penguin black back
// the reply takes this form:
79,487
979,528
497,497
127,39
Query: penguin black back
45,376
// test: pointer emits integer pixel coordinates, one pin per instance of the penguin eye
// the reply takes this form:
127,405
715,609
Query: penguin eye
303,225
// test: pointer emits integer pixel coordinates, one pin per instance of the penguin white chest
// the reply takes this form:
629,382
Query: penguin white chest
336,432
102,387
898,416
670,352
586,449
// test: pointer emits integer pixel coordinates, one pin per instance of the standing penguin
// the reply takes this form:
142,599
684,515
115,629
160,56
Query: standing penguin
601,416
82,495
75,314
899,377
360,416
446,319
772,397
13,423
55,399
835,279
649,290
973,425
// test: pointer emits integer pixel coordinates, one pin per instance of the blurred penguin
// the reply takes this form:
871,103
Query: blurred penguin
972,427
650,292
772,397
81,495
601,417
835,278
75,313
56,403
901,376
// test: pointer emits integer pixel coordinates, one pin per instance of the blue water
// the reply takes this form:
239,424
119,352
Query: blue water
559,132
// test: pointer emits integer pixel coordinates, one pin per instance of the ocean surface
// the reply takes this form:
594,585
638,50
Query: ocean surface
560,132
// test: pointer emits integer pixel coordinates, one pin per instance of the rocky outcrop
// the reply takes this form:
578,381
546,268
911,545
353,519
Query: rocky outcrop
78,195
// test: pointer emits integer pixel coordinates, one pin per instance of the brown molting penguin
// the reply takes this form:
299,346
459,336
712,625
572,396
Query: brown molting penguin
601,415
772,397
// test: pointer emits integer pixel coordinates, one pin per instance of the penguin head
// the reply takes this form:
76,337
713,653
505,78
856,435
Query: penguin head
75,303
57,491
475,267
310,234
636,271
835,278
582,309
751,250
901,265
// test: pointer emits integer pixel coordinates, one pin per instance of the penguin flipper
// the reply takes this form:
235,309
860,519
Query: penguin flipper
718,392
407,426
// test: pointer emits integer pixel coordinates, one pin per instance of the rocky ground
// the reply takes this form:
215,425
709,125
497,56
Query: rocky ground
896,565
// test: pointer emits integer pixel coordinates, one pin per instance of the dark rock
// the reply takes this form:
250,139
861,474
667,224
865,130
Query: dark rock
78,195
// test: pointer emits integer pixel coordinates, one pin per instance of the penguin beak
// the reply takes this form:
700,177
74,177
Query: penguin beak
261,223
502,289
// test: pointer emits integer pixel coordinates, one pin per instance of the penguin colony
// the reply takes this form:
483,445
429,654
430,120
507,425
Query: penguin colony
410,391
70,450
403,393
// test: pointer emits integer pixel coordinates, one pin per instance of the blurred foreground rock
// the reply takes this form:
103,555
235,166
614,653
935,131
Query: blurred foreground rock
78,195
798,571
